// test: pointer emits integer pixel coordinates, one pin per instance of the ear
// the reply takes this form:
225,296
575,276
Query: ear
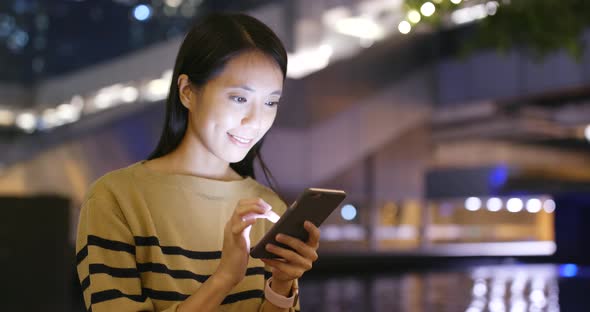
185,91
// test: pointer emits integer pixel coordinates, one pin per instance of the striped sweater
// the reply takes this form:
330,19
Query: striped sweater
147,240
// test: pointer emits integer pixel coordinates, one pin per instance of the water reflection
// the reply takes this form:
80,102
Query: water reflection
513,288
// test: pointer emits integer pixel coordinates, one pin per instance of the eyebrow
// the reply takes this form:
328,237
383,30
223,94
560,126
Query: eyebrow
277,92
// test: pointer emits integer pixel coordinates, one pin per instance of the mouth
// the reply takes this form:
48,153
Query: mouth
240,141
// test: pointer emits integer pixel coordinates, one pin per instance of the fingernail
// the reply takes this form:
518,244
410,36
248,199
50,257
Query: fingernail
269,246
272,216
279,236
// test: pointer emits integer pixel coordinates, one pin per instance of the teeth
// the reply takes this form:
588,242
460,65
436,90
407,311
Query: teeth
241,140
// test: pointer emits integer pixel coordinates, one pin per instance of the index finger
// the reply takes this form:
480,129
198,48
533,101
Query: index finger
255,201
269,215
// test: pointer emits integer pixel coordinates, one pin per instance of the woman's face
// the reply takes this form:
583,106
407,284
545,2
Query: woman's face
234,110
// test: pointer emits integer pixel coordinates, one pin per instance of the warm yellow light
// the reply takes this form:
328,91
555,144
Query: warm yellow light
414,16
404,27
361,27
427,9
6,117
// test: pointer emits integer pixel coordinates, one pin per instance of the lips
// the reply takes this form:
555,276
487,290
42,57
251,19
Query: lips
241,141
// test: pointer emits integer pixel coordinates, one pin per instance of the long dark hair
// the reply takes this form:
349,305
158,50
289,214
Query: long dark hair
206,49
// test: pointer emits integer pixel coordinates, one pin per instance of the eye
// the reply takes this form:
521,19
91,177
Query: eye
239,99
272,103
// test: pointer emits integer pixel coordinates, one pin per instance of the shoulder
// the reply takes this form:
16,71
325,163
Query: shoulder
103,201
110,183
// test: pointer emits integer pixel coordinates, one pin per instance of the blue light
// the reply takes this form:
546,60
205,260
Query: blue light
348,212
498,176
142,12
568,270
18,40
7,25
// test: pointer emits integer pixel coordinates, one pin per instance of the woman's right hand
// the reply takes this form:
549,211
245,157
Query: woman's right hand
236,239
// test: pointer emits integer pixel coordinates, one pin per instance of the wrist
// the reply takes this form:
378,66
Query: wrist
281,300
222,281
281,287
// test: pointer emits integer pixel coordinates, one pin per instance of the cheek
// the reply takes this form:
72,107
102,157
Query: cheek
227,119
269,120
217,117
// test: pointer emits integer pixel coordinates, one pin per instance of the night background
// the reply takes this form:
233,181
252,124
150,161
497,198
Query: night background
459,129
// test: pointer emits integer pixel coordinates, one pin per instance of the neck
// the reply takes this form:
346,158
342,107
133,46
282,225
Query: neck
191,157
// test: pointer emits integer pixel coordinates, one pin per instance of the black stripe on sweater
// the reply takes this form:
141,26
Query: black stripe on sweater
94,240
161,268
267,274
110,244
175,296
112,294
244,295
85,283
155,268
96,268
255,271
164,295
174,250
82,254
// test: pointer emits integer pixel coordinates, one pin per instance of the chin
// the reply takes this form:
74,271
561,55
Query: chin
235,158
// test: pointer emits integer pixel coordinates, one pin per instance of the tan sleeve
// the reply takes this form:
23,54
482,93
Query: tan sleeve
106,265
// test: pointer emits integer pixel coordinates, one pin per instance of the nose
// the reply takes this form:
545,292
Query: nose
252,117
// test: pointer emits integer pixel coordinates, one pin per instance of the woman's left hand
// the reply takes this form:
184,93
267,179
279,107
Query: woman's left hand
294,263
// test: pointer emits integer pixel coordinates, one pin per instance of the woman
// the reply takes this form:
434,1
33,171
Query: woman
173,233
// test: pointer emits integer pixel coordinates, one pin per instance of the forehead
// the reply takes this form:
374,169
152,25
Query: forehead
252,69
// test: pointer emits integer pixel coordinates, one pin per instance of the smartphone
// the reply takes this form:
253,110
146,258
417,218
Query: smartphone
314,205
